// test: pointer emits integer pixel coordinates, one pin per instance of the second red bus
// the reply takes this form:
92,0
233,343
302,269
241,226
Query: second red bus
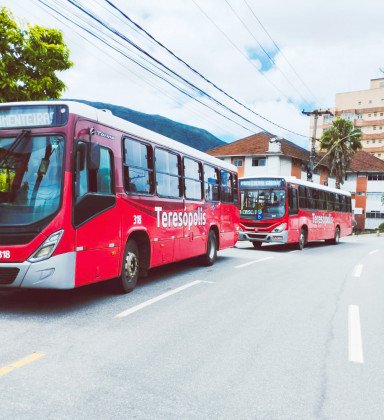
289,210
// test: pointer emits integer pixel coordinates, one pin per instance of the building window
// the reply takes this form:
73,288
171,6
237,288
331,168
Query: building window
381,114
375,178
374,127
370,101
359,103
375,114
238,162
359,116
369,115
373,141
361,193
259,161
367,141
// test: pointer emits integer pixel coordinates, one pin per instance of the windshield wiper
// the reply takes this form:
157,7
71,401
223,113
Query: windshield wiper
20,137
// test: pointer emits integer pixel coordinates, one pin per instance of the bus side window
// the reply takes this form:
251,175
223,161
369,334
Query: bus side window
226,193
321,200
192,179
81,182
168,173
349,205
211,183
343,199
337,202
303,197
138,167
292,200
95,181
235,189
311,200
330,201
104,175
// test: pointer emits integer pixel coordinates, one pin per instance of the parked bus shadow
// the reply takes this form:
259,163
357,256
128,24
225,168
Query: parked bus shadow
282,248
34,302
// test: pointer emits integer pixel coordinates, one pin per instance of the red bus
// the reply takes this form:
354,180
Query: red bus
86,196
289,210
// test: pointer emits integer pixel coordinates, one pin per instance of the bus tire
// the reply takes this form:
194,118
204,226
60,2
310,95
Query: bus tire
302,239
257,245
211,253
129,268
336,238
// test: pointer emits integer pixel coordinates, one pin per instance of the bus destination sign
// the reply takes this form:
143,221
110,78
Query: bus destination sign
33,116
262,183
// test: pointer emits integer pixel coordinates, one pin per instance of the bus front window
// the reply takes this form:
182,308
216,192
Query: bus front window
262,204
31,171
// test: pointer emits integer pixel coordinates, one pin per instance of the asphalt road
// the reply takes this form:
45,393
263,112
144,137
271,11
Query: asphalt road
263,334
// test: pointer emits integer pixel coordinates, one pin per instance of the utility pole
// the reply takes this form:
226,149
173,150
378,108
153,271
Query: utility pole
312,152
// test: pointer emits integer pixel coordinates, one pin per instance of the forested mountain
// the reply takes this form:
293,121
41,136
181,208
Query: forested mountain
192,136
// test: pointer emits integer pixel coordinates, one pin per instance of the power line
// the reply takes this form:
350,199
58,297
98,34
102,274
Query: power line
168,70
271,59
156,74
281,53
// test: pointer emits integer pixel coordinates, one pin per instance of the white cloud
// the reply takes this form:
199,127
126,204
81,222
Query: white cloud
333,46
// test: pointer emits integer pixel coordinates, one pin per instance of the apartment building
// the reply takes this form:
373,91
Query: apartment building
262,155
365,108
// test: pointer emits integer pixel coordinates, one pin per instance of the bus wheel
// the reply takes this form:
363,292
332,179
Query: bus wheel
336,239
302,239
210,255
130,268
257,245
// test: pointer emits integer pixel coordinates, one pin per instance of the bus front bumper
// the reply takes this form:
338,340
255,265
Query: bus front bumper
275,237
57,272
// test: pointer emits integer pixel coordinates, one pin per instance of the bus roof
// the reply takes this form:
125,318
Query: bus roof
106,117
297,181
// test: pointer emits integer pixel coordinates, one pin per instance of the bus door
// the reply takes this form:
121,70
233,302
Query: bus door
96,214
227,231
293,211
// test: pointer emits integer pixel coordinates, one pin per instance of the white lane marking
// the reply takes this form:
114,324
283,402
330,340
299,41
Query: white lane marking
373,252
253,262
357,270
291,252
156,299
354,331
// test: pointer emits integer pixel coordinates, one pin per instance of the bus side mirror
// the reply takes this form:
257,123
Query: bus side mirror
93,156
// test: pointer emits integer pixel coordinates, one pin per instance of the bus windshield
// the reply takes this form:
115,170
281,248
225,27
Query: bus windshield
259,204
31,171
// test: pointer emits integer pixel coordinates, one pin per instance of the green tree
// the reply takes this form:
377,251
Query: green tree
341,142
29,58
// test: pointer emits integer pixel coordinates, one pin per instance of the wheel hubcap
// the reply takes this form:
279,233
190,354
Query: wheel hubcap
131,264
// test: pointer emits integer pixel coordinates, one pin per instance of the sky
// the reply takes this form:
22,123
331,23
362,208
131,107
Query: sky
270,60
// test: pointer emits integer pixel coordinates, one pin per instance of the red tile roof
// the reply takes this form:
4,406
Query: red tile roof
364,161
257,144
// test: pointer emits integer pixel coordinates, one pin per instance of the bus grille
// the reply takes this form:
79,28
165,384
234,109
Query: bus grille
8,275
256,236
256,224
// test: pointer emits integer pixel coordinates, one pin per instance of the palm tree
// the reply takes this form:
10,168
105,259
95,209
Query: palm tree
341,142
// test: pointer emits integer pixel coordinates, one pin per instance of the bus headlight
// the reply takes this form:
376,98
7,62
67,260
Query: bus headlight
47,248
279,228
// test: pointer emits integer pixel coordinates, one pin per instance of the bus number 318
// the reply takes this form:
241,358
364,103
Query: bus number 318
5,254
